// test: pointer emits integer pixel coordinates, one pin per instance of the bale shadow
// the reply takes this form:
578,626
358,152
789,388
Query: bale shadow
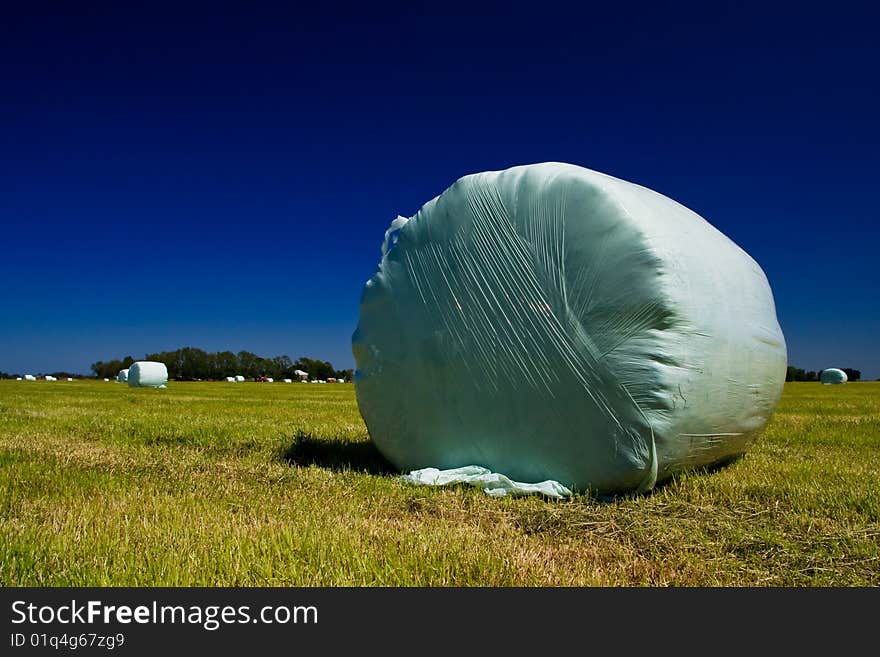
337,454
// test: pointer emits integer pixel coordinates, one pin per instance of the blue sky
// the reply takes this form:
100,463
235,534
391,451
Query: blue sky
174,177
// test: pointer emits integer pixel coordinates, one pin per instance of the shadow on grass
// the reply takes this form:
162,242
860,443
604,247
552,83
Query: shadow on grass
337,454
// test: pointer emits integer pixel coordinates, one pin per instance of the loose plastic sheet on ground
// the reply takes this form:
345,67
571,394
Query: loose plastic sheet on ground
494,484
549,322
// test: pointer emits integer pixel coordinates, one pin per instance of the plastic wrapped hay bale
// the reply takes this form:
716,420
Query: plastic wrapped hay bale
230,379
549,322
122,377
30,377
239,378
147,374
833,376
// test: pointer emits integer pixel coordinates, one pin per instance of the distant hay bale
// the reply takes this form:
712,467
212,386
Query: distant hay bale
269,379
288,380
30,377
833,376
230,379
239,378
50,378
147,374
122,377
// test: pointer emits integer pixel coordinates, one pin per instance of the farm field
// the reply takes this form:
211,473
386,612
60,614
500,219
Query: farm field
278,485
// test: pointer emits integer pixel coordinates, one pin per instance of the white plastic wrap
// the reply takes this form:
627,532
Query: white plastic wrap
494,484
122,377
239,378
549,322
147,374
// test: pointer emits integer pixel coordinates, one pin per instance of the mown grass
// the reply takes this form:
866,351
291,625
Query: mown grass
267,485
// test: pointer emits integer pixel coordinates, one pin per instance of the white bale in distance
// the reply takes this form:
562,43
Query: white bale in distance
18,378
833,376
30,377
230,379
106,379
50,378
269,379
288,380
147,374
239,378
69,379
122,377
549,322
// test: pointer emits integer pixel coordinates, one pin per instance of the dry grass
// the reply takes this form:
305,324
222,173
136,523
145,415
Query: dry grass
250,484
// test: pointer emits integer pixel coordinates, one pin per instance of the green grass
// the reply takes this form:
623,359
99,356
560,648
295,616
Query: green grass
267,485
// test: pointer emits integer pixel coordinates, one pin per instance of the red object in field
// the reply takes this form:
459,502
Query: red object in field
262,379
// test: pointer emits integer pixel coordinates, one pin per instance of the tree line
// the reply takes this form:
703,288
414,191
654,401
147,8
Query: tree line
798,374
190,364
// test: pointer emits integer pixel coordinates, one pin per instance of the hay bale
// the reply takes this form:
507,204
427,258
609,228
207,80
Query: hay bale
833,376
147,374
554,323
239,378
122,376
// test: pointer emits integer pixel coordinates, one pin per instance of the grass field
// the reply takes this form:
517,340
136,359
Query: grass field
266,485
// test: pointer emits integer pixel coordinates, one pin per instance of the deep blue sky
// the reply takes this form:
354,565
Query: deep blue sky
220,179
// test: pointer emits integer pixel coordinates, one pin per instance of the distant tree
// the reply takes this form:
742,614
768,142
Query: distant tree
851,374
317,369
795,374
190,363
811,376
